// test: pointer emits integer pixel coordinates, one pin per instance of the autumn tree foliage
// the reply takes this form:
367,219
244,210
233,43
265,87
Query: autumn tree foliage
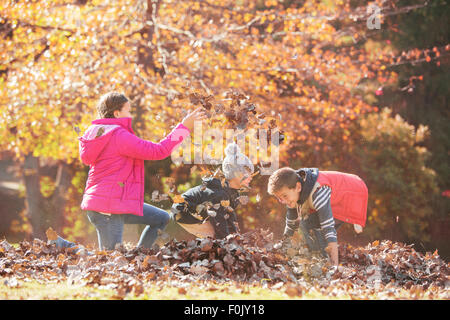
421,93
313,68
392,159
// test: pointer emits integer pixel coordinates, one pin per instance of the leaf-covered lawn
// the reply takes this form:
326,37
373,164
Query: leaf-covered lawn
208,290
241,266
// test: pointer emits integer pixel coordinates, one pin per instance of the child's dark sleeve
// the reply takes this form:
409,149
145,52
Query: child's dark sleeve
322,205
220,224
192,198
233,225
224,222
292,222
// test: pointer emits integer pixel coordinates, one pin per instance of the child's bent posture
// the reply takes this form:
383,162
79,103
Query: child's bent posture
319,202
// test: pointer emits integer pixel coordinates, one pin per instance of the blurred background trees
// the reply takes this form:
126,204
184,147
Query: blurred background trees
321,70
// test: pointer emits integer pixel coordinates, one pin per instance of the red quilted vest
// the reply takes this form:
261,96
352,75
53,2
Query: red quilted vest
349,196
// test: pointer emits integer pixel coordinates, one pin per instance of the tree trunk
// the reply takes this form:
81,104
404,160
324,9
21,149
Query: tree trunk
45,212
145,53
33,197
58,199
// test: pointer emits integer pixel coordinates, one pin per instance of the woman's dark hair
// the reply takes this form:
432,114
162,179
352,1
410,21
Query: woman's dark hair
110,102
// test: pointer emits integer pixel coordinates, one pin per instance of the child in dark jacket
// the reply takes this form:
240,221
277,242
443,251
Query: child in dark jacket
209,209
319,202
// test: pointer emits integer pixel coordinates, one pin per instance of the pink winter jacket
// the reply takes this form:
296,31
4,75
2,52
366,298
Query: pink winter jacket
115,183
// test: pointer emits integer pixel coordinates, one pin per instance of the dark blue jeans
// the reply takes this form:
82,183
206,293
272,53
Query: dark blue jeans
110,228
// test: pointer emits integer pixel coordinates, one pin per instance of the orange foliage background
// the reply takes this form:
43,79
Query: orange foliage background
314,67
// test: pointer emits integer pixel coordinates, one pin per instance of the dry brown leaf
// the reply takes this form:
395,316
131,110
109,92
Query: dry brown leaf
294,291
178,199
51,234
225,203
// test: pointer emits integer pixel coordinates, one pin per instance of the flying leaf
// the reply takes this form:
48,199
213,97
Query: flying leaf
178,199
100,132
225,203
243,200
51,234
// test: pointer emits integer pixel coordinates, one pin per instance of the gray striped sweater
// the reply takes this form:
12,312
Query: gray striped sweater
322,207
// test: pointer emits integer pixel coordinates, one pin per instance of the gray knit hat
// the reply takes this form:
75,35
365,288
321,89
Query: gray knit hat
235,162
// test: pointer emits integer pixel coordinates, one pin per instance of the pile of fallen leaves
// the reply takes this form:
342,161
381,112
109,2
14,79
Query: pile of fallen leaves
248,257
241,257
391,262
254,257
382,270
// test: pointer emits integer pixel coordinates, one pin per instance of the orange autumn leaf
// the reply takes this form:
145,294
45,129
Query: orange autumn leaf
51,234
225,203
178,199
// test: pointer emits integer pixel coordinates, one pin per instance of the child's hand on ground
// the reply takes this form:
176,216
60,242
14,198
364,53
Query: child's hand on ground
283,243
196,115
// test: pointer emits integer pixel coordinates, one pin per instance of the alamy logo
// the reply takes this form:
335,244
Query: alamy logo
208,146
373,21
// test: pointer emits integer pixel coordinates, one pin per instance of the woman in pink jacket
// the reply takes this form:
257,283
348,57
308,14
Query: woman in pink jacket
114,193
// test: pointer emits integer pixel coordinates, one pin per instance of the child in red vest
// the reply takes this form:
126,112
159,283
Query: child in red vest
319,202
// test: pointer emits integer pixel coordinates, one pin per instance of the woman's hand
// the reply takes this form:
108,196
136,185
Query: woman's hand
196,115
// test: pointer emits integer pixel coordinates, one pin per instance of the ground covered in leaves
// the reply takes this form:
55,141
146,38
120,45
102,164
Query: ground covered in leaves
237,266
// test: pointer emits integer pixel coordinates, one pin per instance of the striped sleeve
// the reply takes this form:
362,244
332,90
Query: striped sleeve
321,196
322,205
292,222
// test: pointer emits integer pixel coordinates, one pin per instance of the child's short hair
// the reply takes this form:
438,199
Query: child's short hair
110,102
283,177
